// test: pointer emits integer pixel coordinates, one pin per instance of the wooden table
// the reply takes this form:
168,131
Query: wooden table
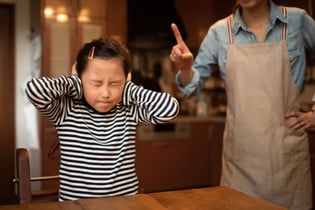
214,198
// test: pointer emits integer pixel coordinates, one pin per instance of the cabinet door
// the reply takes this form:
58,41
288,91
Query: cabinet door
94,29
91,21
169,161
117,19
57,29
216,131
96,9
311,137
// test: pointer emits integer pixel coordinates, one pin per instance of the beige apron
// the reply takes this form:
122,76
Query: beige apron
261,157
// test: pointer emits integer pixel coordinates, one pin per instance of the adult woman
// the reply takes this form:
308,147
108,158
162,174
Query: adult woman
260,51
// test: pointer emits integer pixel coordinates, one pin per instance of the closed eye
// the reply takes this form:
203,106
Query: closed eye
115,83
96,83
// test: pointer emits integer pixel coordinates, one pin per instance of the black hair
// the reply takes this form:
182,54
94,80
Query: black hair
103,48
235,7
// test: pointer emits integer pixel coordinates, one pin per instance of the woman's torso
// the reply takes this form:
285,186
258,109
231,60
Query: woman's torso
215,45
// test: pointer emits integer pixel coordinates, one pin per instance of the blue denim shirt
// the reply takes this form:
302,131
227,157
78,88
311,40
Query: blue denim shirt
214,47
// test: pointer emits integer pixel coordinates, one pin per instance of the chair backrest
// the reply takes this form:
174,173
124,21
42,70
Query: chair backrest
23,175
24,180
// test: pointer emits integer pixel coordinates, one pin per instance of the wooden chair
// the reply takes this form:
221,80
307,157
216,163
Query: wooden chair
24,179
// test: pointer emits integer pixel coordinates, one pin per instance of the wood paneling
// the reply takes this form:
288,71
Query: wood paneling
7,117
311,135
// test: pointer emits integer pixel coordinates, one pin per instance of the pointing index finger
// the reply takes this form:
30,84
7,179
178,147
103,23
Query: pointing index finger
177,34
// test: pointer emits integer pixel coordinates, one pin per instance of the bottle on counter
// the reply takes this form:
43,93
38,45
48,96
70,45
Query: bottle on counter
202,106
313,104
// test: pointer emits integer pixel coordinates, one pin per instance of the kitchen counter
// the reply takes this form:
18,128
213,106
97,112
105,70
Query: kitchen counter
183,154
179,128
194,119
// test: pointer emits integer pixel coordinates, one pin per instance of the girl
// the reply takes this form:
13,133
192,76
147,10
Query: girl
96,112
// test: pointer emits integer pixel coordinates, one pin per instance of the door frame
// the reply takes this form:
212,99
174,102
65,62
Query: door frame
7,103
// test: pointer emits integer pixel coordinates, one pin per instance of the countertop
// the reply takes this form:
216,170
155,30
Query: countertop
192,199
194,119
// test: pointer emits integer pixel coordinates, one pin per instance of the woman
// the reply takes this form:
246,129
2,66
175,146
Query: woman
260,51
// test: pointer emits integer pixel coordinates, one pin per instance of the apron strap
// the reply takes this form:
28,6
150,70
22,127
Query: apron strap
283,27
229,22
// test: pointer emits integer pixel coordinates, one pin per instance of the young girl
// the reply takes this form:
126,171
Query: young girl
96,113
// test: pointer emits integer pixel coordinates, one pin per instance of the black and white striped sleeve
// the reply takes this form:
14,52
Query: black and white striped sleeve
51,95
153,107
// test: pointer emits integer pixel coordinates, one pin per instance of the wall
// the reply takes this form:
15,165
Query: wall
22,65
26,118
22,72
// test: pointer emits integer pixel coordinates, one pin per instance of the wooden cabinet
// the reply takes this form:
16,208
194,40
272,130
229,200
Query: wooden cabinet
190,158
168,163
311,134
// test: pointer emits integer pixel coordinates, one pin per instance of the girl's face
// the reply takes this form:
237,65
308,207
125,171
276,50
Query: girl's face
252,4
103,82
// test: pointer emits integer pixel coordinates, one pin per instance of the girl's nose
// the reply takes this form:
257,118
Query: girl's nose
105,93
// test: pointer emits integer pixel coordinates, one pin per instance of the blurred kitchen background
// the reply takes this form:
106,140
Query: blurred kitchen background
42,37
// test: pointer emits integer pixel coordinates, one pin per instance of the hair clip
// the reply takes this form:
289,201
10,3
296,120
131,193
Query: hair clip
91,53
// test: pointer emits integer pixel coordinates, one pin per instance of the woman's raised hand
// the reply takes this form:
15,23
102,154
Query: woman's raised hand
180,53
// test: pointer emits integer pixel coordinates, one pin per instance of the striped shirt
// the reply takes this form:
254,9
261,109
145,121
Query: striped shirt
97,149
